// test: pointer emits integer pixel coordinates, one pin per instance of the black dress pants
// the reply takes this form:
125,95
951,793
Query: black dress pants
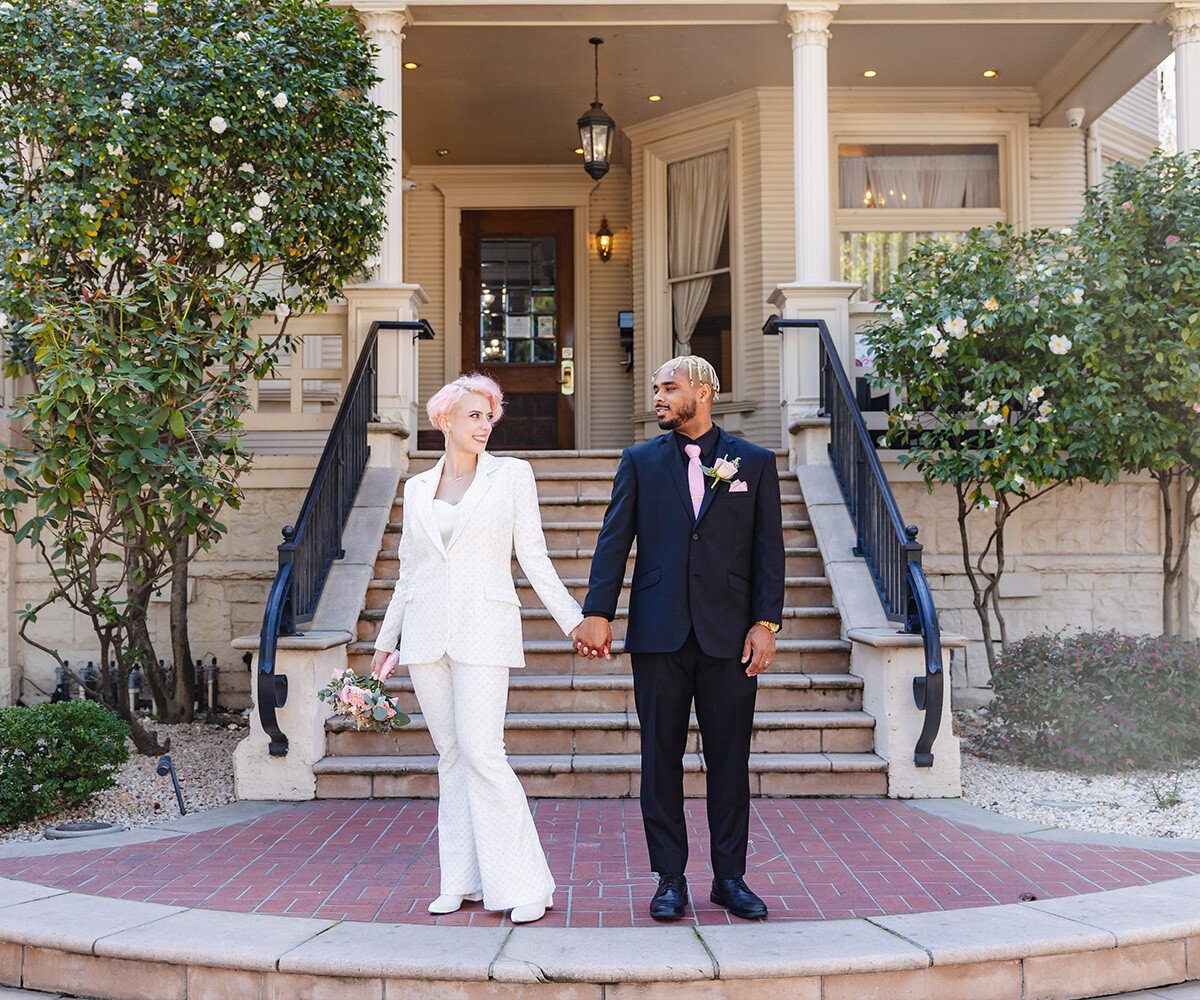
664,687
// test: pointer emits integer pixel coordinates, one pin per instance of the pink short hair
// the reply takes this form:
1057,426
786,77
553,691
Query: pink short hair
442,402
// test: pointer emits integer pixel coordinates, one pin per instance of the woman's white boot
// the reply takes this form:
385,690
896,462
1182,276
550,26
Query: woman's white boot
530,912
449,904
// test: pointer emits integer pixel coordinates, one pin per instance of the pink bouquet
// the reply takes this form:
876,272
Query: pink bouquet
364,700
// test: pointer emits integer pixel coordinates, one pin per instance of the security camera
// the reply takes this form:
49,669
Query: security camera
1075,117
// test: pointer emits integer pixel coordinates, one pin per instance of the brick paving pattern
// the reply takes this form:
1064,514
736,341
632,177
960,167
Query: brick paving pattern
810,859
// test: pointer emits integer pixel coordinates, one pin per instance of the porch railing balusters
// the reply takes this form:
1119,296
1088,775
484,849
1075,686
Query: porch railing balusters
889,546
310,546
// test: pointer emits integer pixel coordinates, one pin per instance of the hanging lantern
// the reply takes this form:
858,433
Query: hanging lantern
596,128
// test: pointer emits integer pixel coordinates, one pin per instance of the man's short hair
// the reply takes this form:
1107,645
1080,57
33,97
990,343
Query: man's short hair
699,371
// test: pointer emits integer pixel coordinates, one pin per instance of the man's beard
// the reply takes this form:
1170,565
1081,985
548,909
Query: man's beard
684,413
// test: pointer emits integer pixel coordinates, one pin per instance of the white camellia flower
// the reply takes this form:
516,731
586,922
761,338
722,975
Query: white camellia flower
280,100
973,263
1026,448
932,332
1036,393
127,100
282,311
218,124
134,64
1035,301
5,7
261,93
1059,344
1074,298
984,504
364,201
978,326
246,168
88,209
151,7
939,349
1018,481
968,398
993,420
216,240
238,228
956,327
262,199
990,304
255,214
242,36
114,148
1045,409
897,315
164,112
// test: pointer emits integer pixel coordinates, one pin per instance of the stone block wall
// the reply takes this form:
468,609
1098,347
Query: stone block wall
228,588
1081,558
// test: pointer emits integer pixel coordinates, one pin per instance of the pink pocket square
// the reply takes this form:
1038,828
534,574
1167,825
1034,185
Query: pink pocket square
737,486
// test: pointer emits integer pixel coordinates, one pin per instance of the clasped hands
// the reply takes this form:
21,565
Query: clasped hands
593,637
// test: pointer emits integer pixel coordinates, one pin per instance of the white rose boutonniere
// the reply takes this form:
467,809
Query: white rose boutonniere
723,470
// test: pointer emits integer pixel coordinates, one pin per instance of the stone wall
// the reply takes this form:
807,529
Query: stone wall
228,588
1083,557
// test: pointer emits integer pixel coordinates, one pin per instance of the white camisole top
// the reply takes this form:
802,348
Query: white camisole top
447,517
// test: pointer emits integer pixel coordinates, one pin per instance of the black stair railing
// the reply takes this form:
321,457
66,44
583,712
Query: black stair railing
310,546
889,546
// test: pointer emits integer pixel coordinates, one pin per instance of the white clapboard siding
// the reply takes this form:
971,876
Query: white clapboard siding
1057,176
607,394
1129,129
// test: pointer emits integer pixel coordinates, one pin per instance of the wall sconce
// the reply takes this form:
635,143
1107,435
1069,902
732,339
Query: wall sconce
604,239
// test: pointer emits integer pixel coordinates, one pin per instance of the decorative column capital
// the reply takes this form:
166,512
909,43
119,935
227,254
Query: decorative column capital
1185,22
381,23
810,22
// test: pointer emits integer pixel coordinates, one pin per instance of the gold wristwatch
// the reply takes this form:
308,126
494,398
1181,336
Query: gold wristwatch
771,627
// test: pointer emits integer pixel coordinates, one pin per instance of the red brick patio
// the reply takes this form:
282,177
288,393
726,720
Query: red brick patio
809,859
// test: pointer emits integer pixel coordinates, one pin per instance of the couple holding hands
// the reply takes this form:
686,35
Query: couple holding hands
706,602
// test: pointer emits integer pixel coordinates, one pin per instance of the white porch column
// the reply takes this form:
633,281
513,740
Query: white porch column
386,296
1185,39
814,294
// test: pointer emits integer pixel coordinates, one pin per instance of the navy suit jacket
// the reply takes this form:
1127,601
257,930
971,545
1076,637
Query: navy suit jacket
718,573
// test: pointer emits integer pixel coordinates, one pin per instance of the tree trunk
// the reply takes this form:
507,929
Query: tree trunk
183,701
144,741
978,598
1170,566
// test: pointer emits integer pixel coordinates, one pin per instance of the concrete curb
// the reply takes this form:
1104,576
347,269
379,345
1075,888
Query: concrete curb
1080,946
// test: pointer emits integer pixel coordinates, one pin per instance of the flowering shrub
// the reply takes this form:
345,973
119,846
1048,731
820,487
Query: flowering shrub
363,700
1097,701
170,173
980,344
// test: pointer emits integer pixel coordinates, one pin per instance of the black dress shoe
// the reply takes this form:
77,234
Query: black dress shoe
669,902
737,898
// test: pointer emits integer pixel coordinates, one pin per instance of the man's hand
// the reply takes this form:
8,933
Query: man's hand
383,663
759,650
593,637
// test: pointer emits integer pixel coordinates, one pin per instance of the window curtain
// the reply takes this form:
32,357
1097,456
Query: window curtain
954,181
698,206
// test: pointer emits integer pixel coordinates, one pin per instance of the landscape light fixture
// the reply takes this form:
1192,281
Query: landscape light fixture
596,128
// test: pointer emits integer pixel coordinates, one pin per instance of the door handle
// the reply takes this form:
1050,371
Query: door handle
567,378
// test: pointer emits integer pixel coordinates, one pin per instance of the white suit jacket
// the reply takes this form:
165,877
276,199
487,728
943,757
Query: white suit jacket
459,598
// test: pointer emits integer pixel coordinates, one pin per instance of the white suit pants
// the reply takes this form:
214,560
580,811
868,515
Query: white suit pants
486,837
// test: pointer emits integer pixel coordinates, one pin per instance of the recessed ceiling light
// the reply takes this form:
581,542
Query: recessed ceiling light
870,74
443,152
412,65
579,150
990,74
654,98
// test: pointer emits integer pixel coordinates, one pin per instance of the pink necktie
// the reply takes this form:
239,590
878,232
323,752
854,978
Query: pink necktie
695,477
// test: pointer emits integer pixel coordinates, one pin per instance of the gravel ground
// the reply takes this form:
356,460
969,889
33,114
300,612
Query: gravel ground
203,759
1100,803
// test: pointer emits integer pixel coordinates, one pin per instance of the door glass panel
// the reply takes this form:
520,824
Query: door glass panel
871,259
518,300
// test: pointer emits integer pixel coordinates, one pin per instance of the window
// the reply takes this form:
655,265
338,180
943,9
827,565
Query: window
894,195
698,269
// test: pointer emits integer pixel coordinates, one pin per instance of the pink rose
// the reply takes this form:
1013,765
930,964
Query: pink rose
358,697
1128,206
724,469
337,673
1196,407
344,694
391,712
1172,238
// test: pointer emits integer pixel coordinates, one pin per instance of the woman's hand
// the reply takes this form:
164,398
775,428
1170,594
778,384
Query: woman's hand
383,663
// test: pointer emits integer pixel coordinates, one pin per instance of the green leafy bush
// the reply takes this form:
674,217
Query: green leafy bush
56,755
1097,701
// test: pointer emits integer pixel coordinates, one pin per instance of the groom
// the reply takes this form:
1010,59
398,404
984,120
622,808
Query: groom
706,602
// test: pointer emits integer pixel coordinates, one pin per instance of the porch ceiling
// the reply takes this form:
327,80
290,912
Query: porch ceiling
510,93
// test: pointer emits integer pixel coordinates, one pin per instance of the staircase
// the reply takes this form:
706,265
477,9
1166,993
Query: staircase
572,731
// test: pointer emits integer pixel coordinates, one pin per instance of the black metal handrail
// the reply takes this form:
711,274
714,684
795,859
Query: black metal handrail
889,546
310,546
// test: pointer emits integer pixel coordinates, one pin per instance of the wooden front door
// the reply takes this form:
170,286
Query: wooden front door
518,320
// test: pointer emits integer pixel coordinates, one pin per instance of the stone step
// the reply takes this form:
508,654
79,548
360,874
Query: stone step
608,693
612,732
799,592
800,560
556,656
798,623
605,775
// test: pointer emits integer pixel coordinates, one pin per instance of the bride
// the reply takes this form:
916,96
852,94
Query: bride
456,614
